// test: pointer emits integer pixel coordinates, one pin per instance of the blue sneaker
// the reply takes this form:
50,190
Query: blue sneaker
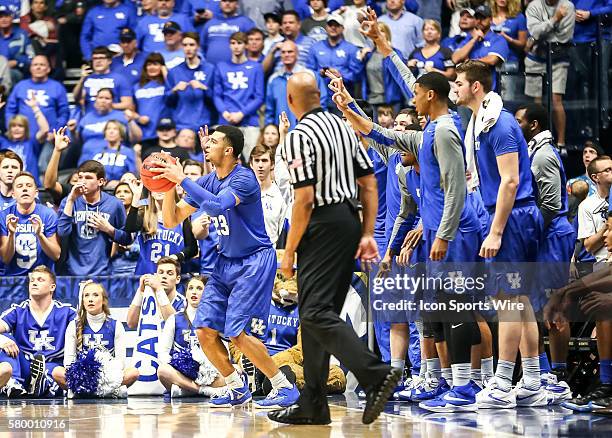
430,390
232,397
458,399
279,398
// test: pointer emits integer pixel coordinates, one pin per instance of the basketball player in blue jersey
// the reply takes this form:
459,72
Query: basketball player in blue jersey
163,283
512,237
179,335
94,328
237,296
35,354
451,229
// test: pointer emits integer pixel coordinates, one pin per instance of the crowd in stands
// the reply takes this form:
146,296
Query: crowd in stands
160,75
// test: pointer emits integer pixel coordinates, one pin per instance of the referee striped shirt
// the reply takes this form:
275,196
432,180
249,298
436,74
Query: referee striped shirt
323,151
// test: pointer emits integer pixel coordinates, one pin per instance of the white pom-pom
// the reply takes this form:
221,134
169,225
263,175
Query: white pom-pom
111,373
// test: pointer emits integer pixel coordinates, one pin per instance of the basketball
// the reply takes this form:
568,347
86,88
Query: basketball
161,185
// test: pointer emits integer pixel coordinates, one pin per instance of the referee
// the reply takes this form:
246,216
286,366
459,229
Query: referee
327,164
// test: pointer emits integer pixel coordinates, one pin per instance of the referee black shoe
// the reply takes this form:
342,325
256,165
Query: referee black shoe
37,375
296,414
596,399
378,396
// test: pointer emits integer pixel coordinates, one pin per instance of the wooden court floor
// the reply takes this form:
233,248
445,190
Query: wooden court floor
144,417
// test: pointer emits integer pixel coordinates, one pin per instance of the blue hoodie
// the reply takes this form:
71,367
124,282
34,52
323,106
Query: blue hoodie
51,98
189,107
102,26
89,250
149,30
216,35
240,87
150,100
586,31
95,82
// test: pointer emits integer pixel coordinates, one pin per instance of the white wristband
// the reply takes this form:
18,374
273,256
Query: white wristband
162,298
137,301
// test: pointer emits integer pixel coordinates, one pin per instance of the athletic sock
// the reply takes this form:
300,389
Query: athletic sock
447,373
234,380
280,381
486,368
544,363
209,391
475,375
399,364
531,372
433,367
423,369
461,374
503,374
605,371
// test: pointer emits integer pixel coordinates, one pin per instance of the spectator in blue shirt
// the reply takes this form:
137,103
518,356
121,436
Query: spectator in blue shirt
14,45
150,98
201,11
150,28
276,91
405,27
103,23
510,23
191,84
467,23
87,88
336,54
256,9
484,45
129,64
216,33
172,53
255,45
432,57
290,28
239,92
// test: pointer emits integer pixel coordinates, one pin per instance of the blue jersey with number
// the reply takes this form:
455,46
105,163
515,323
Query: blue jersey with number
103,338
185,337
179,303
241,229
165,242
28,251
283,323
33,337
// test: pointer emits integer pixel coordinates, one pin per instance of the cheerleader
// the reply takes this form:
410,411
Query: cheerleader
94,329
184,369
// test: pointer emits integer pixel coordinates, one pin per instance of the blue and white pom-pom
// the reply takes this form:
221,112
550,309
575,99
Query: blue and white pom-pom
94,372
207,373
182,361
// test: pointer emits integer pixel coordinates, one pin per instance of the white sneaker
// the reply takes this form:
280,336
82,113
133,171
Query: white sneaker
530,397
409,385
492,397
176,391
558,392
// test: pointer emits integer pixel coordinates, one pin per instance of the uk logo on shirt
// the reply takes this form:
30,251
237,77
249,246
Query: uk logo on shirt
41,340
340,53
238,80
95,340
41,97
200,76
155,30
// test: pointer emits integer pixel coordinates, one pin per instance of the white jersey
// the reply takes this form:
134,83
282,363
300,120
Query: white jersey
275,211
592,216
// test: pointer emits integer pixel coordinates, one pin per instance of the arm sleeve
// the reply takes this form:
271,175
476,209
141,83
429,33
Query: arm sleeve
63,109
537,26
190,247
297,153
70,344
86,35
199,197
400,73
166,340
218,95
64,222
120,345
133,223
448,151
383,151
406,218
407,141
118,221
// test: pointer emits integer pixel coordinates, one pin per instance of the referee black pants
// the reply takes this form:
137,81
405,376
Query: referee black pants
326,261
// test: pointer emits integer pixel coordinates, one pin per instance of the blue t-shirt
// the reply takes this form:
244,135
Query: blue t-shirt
6,202
51,98
89,250
511,27
116,162
189,108
103,338
440,60
165,242
102,26
454,42
503,138
150,100
32,338
130,72
95,82
216,35
241,229
28,150
149,30
492,44
283,323
91,129
239,87
28,251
